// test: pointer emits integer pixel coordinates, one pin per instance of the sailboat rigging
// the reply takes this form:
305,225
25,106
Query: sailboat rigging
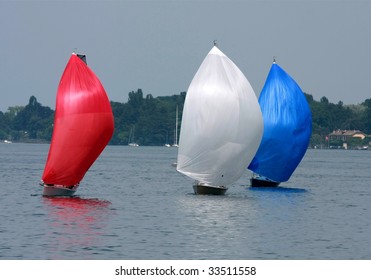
83,126
132,142
214,146
287,129
176,129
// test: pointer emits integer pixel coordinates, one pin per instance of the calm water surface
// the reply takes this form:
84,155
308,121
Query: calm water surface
132,204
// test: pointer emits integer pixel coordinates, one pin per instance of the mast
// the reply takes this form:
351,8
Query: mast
176,128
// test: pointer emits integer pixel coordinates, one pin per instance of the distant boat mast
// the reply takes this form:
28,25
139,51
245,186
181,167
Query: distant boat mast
176,128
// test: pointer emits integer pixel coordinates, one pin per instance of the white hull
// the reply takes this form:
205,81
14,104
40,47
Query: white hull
56,190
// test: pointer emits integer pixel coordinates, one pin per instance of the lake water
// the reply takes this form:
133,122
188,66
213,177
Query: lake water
132,204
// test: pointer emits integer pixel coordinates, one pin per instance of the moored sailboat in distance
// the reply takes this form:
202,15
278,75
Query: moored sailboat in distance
83,126
214,146
287,129
176,129
132,142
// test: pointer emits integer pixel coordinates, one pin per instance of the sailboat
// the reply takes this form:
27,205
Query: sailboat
287,129
132,142
214,146
83,126
176,129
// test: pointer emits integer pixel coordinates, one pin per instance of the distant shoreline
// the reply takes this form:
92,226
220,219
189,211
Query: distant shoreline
309,148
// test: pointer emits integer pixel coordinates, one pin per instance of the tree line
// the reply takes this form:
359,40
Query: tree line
152,120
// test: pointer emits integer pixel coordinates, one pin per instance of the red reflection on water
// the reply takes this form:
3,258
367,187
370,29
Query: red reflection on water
76,203
75,223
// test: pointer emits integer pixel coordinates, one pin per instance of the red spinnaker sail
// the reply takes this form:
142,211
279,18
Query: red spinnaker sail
83,125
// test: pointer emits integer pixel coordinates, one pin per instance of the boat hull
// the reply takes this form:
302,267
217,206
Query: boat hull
256,182
209,190
59,190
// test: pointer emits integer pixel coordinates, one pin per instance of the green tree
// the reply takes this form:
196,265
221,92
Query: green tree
35,120
154,119
366,118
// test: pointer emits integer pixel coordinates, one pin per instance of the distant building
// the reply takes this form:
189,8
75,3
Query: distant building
345,136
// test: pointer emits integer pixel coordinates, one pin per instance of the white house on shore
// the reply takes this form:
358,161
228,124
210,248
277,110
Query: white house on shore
345,136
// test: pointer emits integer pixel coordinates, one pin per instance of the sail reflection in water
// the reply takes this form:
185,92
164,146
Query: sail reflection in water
231,231
76,223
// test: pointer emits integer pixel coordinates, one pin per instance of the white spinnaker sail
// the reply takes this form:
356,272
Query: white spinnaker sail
222,123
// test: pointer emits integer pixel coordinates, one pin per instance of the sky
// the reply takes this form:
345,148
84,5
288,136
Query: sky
157,46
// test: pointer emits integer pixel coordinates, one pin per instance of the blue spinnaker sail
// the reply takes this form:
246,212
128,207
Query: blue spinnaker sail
287,127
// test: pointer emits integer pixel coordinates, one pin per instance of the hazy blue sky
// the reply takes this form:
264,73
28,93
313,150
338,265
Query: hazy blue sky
158,45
